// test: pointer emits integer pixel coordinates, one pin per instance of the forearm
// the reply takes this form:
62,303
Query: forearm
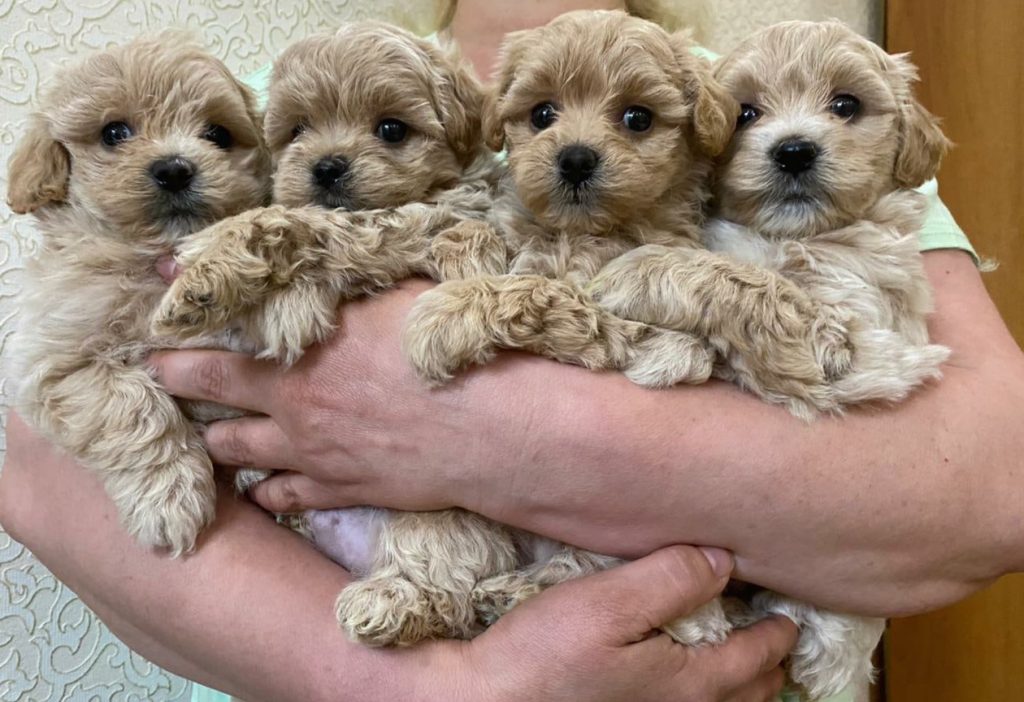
250,612
883,510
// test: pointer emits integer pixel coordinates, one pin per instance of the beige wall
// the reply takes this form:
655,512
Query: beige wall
51,647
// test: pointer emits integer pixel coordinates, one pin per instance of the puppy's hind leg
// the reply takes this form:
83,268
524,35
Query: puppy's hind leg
496,596
833,651
421,585
118,422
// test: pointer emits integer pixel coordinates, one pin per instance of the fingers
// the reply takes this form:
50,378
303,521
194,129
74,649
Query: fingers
639,597
231,379
249,442
287,493
748,654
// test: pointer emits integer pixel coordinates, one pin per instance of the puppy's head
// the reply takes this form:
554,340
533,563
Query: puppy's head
154,138
602,114
369,117
829,123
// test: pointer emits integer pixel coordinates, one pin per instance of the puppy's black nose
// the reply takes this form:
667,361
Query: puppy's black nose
577,164
173,174
795,156
329,170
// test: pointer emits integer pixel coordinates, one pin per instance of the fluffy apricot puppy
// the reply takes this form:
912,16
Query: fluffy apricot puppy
130,152
610,125
381,173
816,185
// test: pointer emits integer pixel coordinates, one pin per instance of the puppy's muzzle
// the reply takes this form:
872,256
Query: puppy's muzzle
795,156
173,174
577,164
329,171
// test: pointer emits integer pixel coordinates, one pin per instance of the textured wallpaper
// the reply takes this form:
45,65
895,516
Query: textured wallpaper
51,646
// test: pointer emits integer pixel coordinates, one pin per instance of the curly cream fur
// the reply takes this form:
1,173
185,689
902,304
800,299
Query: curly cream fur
277,275
844,234
90,290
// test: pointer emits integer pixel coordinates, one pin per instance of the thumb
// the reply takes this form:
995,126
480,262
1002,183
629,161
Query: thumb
288,493
639,597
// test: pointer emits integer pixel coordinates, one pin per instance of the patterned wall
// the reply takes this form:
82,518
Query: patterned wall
51,646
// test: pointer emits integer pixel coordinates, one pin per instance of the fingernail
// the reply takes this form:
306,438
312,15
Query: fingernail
720,560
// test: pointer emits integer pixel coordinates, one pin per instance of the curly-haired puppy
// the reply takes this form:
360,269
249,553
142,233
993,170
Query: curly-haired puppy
816,186
131,150
381,173
607,149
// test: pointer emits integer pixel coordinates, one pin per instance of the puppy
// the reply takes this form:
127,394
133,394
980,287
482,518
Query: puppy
606,152
130,152
381,173
815,186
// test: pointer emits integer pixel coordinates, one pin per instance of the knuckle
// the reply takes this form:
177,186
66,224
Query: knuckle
284,496
232,442
210,378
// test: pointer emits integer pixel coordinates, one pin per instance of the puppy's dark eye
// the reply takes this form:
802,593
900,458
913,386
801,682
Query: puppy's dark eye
392,130
748,115
637,119
845,106
219,135
543,115
116,132
298,130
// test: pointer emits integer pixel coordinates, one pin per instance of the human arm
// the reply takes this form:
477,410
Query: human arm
885,511
235,614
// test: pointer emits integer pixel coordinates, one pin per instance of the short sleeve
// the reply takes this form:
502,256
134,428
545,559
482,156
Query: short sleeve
940,230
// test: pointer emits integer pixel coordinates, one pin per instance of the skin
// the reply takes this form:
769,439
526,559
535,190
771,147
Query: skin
354,426
588,640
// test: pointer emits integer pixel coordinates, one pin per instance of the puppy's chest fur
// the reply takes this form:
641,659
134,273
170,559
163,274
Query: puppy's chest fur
576,256
872,269
88,297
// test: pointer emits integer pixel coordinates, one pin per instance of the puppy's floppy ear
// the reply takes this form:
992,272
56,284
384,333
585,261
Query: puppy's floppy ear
512,51
922,143
462,104
714,110
38,171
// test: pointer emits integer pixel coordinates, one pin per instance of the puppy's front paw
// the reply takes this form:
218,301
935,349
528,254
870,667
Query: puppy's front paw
443,335
175,503
666,358
707,626
833,346
393,611
193,305
494,597
470,248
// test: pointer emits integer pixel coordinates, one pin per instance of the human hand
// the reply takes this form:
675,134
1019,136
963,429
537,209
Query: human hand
350,422
591,639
